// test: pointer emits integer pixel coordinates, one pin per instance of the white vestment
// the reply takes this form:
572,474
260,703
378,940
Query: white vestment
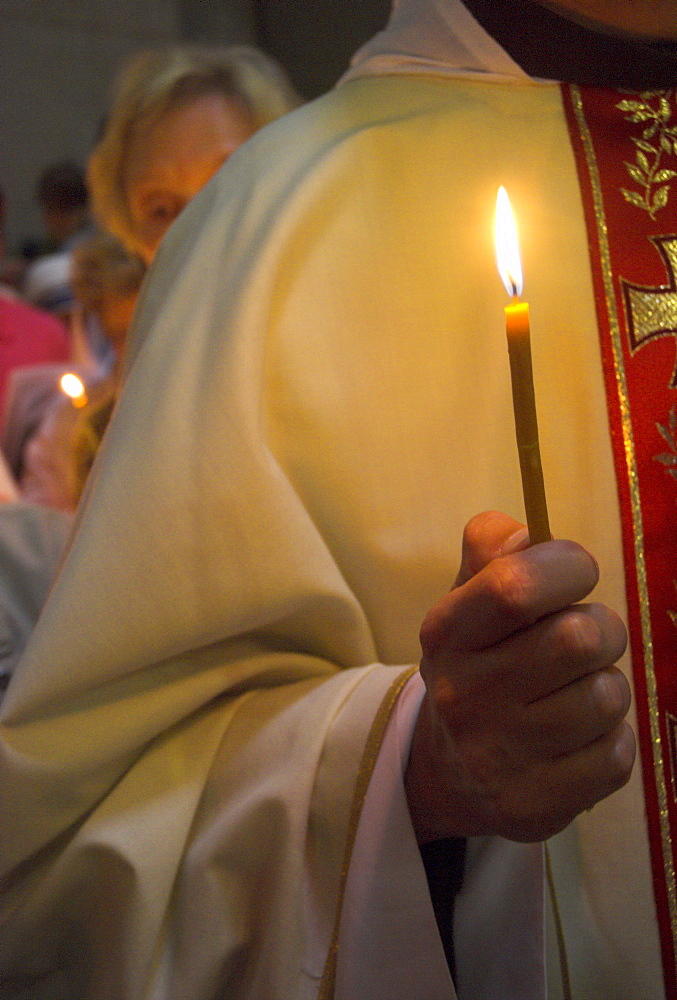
317,400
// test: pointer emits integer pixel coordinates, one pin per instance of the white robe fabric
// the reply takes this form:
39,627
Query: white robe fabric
317,400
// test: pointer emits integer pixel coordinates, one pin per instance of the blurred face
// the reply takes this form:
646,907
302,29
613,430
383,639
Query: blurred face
169,161
652,19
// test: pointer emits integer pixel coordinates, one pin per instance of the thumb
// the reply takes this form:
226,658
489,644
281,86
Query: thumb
486,537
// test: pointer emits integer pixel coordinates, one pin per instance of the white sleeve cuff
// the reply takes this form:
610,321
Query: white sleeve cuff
388,935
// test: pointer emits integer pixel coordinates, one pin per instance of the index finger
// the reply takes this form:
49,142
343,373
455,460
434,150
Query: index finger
509,594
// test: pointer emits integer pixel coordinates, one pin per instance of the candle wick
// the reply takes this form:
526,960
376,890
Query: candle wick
514,289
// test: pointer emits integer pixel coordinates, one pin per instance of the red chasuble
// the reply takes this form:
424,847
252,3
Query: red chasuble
626,149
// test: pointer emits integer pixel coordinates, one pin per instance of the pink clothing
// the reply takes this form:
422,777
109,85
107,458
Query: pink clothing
28,336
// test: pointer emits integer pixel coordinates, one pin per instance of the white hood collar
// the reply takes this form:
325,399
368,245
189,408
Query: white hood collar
437,37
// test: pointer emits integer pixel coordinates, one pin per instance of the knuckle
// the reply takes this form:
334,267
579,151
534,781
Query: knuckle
428,634
616,761
611,628
609,698
584,560
474,531
510,589
431,634
445,698
618,635
581,637
623,753
438,625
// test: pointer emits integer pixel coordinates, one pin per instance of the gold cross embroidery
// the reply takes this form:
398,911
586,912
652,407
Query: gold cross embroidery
652,312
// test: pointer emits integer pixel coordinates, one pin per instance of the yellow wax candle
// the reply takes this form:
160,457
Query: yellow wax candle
523,396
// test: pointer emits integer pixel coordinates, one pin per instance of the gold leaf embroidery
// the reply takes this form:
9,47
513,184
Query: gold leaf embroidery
669,435
657,141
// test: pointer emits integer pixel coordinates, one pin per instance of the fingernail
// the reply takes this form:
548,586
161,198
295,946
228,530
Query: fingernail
515,543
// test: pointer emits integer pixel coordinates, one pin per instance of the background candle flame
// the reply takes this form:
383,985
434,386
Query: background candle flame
507,247
72,386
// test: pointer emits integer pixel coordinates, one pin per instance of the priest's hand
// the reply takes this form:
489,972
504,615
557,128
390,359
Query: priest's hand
523,722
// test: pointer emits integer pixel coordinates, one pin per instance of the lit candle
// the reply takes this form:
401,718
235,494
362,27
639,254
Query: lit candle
519,349
74,388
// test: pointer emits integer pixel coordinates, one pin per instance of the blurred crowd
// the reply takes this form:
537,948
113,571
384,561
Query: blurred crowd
67,298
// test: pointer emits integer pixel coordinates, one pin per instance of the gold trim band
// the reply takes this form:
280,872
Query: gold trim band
638,532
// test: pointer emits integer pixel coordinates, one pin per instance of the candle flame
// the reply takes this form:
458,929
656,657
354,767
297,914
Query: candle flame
507,248
73,387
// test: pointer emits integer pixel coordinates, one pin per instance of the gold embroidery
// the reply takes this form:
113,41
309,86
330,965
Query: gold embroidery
652,312
669,435
638,531
658,140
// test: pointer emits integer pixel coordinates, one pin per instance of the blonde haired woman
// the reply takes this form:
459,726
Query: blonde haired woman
176,117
